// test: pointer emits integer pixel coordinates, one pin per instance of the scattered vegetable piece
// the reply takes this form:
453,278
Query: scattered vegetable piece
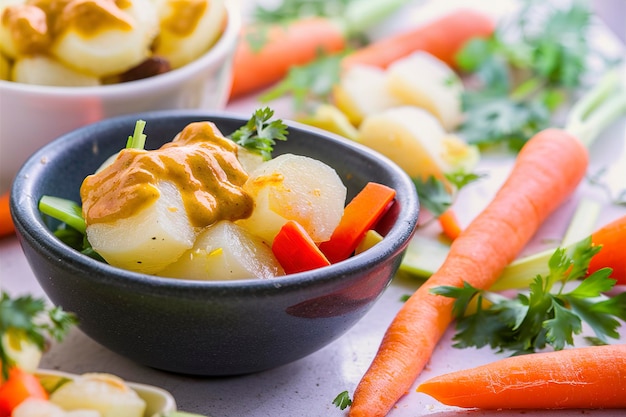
610,238
588,377
342,400
359,216
295,250
25,314
536,186
450,225
19,386
6,222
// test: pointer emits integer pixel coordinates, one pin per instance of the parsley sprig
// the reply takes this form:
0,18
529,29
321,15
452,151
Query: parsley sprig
260,134
524,72
550,313
437,195
31,319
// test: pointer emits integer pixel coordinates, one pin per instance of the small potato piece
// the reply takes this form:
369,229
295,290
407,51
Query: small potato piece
225,251
409,136
36,407
294,187
149,240
424,81
331,119
362,91
42,70
188,28
120,40
105,393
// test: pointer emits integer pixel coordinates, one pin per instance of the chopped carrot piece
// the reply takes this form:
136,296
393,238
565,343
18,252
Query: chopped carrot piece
295,250
359,216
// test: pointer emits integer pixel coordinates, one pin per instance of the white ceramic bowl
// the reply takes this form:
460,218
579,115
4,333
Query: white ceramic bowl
159,402
32,115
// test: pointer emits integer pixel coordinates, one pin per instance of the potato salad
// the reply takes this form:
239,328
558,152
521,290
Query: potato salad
94,42
204,207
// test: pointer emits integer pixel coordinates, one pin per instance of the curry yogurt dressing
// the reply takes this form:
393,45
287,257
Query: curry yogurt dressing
200,162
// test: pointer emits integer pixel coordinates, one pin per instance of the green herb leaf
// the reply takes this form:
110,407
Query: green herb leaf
260,134
308,84
550,313
342,400
437,196
33,321
524,72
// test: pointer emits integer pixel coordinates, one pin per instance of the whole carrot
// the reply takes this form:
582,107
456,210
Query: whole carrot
267,51
442,38
284,45
537,184
6,222
589,377
611,237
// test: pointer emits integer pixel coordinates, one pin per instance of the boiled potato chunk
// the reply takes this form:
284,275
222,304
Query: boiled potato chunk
149,240
105,393
409,136
42,70
188,28
423,80
249,160
36,407
331,119
295,187
362,91
119,39
10,17
225,251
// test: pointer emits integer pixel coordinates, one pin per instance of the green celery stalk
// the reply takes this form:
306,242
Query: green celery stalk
424,255
63,210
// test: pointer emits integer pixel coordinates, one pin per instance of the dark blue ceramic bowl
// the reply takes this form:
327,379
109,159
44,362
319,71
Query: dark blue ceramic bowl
212,327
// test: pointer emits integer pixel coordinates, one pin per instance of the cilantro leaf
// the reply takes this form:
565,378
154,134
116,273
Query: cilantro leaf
309,83
31,319
433,194
549,313
436,195
342,401
260,134
522,74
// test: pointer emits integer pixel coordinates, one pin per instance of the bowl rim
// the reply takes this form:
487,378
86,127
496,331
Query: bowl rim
29,222
224,46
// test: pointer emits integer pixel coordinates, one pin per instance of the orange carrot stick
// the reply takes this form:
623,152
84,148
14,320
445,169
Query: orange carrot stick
612,237
359,216
6,222
442,38
283,46
536,186
449,224
589,377
295,250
